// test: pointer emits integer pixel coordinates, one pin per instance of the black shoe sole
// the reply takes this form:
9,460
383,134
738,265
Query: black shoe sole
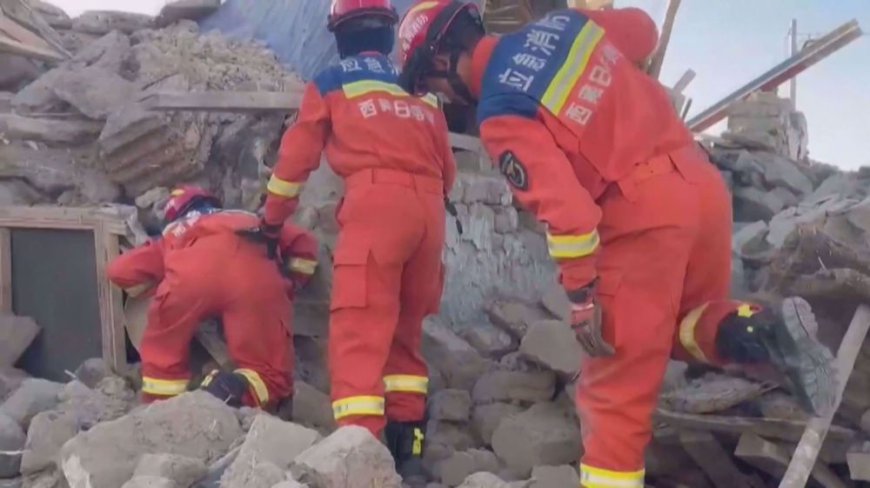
806,363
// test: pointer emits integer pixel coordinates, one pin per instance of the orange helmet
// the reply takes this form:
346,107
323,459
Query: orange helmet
184,198
344,10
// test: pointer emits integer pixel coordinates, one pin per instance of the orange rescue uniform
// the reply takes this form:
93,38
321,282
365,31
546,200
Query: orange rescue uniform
592,145
201,268
393,152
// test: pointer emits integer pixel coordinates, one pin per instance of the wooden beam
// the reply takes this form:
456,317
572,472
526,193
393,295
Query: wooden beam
716,462
807,451
658,60
108,248
60,218
5,271
773,460
9,45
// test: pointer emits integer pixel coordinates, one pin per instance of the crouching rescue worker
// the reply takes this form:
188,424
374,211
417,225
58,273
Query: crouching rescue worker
637,218
204,266
392,151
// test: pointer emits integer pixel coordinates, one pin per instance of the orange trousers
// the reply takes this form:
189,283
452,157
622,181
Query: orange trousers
227,277
665,273
387,277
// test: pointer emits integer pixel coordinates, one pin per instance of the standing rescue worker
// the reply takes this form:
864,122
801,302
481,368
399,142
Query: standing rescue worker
393,152
637,218
204,266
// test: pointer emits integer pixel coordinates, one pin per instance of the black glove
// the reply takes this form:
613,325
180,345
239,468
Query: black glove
586,322
264,234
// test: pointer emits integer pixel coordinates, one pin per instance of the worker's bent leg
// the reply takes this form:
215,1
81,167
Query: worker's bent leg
172,321
363,317
258,333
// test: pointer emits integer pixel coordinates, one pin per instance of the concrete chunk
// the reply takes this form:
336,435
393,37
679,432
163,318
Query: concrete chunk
491,341
150,482
272,441
554,477
102,22
465,364
486,418
555,300
94,91
452,405
521,386
514,317
11,443
752,204
550,436
484,480
312,408
10,380
455,436
552,344
32,397
195,424
47,434
349,458
16,333
69,131
455,469
182,470
185,9
92,371
90,407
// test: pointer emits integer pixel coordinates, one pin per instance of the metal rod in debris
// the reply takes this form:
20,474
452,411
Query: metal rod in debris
781,73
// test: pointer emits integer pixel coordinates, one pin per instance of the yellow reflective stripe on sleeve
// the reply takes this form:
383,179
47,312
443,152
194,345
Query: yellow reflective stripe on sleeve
302,266
360,88
575,65
257,385
687,333
156,386
358,405
284,188
430,99
601,478
406,384
578,246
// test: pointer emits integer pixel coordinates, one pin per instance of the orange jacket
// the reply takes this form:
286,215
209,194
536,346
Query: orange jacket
142,268
564,111
364,120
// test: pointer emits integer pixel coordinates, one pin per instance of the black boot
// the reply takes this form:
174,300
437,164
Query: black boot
230,388
786,340
405,442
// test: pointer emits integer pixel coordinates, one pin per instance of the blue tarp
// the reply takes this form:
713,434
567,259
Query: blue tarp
294,29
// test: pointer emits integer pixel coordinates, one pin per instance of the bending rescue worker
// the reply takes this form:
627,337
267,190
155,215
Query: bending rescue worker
393,152
638,219
204,266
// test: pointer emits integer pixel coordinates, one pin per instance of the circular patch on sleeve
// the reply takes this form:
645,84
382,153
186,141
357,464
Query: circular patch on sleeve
514,170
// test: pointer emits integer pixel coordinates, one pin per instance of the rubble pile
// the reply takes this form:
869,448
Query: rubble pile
501,410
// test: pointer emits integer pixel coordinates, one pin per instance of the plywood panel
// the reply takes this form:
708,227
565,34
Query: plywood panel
54,280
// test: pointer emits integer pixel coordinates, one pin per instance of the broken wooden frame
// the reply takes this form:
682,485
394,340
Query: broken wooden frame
107,230
17,38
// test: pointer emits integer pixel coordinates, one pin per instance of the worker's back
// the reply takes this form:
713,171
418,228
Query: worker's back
582,81
375,124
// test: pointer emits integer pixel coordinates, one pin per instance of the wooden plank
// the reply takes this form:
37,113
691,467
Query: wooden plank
115,306
787,430
773,460
658,60
5,271
10,45
114,351
21,12
60,218
716,462
801,464
17,32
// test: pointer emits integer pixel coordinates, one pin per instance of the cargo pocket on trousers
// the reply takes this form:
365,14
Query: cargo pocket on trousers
608,297
350,277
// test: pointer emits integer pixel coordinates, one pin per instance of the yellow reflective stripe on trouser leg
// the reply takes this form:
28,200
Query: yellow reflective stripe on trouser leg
573,246
687,333
405,383
602,478
156,386
358,405
257,385
283,188
302,266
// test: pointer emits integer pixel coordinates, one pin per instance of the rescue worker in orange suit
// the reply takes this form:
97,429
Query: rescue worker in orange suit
205,266
637,218
393,152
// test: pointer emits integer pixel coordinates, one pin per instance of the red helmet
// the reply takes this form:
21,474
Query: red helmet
344,10
183,199
422,32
